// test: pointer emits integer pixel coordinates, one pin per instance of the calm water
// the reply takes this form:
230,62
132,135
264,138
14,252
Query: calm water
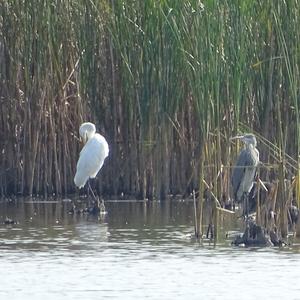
137,251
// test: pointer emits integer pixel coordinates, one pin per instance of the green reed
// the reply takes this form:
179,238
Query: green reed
167,83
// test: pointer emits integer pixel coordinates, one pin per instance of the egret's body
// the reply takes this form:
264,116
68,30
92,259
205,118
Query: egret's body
92,155
244,170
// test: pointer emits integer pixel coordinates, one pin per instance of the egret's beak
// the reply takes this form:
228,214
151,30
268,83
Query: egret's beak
83,138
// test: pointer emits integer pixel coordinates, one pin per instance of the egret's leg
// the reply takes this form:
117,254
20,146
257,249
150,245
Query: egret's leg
101,206
99,203
92,190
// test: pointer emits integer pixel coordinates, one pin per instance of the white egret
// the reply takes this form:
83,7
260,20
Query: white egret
92,155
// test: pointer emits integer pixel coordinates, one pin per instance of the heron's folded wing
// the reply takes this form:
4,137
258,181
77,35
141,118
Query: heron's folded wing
239,169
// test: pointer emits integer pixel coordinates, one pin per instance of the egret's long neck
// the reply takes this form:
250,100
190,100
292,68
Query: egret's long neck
90,134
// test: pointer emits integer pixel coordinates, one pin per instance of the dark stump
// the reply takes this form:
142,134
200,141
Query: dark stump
256,236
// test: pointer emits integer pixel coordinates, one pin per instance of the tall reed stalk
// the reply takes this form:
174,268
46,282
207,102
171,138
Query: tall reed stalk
167,83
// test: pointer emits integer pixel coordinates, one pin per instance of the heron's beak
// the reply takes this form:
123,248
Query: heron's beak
236,137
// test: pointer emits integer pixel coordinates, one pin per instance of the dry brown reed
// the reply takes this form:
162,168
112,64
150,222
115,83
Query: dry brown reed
167,83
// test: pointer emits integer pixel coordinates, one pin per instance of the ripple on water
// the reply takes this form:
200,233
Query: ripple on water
148,257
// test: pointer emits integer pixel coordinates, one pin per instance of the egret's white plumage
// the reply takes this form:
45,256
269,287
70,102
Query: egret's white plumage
92,155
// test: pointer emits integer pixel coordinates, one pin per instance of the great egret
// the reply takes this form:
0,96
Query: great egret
244,170
92,155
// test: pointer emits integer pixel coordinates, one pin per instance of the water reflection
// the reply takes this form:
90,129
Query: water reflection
137,250
49,225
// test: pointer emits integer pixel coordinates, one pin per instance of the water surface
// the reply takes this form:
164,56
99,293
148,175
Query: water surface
137,251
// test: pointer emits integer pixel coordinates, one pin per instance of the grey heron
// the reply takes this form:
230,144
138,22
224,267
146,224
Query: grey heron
244,170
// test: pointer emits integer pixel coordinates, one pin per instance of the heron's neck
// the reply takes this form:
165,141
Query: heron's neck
250,146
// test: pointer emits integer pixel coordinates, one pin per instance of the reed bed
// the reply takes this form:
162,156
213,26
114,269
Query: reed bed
166,82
